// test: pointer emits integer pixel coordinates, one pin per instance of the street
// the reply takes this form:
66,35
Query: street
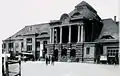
39,68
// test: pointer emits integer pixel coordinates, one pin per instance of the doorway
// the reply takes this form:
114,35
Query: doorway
55,54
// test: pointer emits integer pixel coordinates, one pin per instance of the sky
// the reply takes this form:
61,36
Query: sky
16,14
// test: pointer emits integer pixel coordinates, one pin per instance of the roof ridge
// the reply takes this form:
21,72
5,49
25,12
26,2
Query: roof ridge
37,24
85,3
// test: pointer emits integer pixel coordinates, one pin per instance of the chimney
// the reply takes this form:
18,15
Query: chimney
114,18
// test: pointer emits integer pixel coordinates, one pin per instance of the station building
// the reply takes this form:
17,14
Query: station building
80,35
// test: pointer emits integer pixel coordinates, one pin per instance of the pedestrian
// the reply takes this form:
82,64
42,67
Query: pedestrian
49,58
46,60
53,59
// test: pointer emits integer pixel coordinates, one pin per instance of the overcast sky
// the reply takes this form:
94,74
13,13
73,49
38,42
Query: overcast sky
16,14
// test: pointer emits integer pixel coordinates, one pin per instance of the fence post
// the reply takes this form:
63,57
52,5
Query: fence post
7,69
19,65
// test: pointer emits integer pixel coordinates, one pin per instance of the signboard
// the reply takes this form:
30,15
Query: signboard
103,58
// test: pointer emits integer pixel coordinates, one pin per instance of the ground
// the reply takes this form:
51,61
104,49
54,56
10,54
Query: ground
39,68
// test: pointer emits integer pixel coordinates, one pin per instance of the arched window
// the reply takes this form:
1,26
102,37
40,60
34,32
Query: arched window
107,37
64,18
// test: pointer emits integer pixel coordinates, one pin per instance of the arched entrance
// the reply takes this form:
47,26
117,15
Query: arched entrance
64,55
44,52
55,54
73,53
64,52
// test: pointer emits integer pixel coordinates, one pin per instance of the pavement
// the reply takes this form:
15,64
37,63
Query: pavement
39,68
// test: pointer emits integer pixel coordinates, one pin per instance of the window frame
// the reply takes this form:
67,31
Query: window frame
29,47
29,40
88,50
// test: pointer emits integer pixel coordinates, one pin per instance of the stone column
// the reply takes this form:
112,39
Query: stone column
53,36
82,35
34,47
60,35
50,35
69,34
25,44
7,47
78,33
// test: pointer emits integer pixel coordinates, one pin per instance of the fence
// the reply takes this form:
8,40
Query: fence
8,62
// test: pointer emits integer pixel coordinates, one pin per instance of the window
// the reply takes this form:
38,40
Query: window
112,51
4,45
29,40
44,42
87,50
16,45
43,33
21,44
37,44
10,45
29,47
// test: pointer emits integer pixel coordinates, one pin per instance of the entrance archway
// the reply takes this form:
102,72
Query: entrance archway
64,52
73,53
44,52
55,54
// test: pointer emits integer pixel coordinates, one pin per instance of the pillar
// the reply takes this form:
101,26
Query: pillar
7,48
82,35
78,33
25,44
50,35
53,35
69,34
60,35
34,47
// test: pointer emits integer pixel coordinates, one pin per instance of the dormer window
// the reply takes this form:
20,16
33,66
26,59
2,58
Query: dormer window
107,37
43,33
76,14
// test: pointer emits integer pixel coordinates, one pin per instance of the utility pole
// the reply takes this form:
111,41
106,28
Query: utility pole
36,34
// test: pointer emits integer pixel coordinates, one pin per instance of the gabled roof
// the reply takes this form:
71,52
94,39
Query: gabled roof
109,28
31,30
85,10
84,3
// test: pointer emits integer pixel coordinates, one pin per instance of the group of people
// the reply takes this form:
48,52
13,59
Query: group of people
49,59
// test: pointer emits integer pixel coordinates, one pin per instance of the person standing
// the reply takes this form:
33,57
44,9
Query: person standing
46,60
53,59
49,58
